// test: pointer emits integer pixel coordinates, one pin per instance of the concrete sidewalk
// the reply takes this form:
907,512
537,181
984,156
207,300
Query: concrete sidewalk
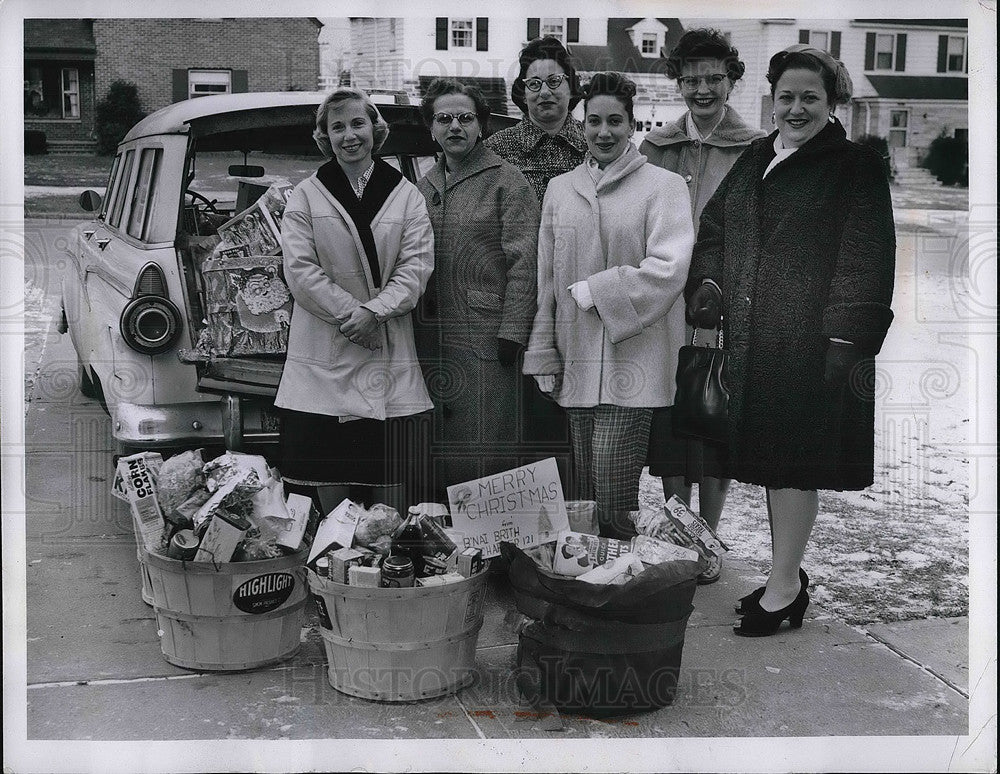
94,667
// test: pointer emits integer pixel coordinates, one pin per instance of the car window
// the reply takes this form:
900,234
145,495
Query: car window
149,163
119,204
393,162
423,164
108,187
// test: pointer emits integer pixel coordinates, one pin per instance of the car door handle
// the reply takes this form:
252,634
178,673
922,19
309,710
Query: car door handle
89,233
102,243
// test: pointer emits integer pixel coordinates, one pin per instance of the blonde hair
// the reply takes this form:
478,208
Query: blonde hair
322,134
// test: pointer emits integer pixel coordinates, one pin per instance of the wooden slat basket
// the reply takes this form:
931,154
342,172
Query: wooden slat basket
400,644
231,616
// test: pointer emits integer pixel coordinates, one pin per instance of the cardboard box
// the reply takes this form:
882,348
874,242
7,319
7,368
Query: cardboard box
689,529
577,552
369,577
439,580
138,480
341,561
470,562
223,534
336,530
299,507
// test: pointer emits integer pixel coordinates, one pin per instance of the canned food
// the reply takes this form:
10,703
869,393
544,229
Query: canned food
323,567
183,545
397,572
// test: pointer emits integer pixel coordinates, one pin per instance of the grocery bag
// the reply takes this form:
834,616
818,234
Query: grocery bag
600,650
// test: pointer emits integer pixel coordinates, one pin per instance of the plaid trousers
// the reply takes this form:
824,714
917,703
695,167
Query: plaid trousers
609,449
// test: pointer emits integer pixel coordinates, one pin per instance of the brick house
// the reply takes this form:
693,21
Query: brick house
70,63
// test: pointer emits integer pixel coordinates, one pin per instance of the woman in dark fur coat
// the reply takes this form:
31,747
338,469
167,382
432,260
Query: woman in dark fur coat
797,249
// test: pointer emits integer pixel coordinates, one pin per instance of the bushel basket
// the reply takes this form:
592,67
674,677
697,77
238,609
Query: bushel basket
601,650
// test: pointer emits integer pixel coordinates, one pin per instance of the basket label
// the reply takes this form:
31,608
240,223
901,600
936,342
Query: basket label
264,593
324,616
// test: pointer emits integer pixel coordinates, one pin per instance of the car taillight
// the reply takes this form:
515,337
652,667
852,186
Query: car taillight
150,324
151,282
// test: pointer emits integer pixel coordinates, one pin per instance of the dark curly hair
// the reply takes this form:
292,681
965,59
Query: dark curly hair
544,48
704,43
613,85
441,87
836,80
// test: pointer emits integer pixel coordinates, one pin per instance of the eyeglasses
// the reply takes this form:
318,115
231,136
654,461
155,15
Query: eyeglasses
553,82
445,119
690,83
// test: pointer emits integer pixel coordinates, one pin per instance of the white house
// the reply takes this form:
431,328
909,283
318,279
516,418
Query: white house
910,75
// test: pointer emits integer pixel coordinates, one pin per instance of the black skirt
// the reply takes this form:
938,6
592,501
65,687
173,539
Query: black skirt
319,450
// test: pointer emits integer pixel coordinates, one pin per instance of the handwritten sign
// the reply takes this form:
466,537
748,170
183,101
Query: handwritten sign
523,506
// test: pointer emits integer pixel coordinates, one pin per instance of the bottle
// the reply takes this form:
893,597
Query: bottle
408,542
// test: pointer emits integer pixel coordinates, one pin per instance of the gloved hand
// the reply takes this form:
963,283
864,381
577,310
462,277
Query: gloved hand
548,383
507,351
581,294
841,357
704,308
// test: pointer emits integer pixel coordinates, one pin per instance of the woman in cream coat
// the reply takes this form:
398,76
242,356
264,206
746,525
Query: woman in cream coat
358,250
614,249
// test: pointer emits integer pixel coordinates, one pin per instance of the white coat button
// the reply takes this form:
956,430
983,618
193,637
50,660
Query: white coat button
688,178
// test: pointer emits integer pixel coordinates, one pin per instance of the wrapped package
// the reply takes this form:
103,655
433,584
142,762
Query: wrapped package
178,478
225,466
654,551
618,571
234,496
376,522
578,552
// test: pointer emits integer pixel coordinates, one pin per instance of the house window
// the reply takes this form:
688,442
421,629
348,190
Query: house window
201,83
956,54
820,40
461,33
885,46
648,43
898,124
554,28
70,92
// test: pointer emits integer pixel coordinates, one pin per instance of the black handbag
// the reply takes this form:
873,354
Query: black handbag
701,407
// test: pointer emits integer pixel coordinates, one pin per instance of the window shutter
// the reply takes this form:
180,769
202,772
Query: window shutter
870,51
835,45
180,85
942,64
241,83
441,34
803,36
572,30
534,28
901,52
482,33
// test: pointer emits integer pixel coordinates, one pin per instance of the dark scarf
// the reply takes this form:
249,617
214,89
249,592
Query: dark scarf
383,181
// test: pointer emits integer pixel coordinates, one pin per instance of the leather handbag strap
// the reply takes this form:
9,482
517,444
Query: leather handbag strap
694,334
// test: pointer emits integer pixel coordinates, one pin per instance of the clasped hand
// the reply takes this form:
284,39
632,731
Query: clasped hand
361,328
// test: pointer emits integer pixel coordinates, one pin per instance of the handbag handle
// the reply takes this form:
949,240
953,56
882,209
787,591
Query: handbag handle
694,334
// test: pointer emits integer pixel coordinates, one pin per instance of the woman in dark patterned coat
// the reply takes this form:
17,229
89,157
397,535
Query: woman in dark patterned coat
797,248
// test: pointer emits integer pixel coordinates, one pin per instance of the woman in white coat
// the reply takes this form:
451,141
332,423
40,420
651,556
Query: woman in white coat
614,249
358,250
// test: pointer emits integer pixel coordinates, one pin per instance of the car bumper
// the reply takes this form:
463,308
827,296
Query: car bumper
190,424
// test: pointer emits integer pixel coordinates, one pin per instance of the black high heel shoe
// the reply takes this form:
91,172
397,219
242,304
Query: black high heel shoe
763,623
751,602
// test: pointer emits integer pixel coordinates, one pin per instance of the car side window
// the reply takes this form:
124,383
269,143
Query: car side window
108,189
149,163
119,203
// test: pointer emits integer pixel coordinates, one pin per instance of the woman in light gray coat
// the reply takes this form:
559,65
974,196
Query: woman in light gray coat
481,300
701,146
614,249
358,250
